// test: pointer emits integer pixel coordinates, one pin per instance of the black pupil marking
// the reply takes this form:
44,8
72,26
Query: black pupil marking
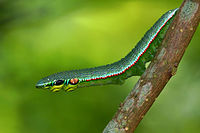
59,82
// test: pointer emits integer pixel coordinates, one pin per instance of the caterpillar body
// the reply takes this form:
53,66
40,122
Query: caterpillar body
116,73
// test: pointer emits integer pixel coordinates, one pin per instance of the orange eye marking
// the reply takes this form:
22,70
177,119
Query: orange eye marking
73,81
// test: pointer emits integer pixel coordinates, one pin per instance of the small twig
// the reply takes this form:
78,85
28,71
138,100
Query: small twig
161,69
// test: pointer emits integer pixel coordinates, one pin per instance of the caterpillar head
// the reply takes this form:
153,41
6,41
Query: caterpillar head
58,83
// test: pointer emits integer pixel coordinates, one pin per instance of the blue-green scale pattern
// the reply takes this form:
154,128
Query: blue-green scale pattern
117,68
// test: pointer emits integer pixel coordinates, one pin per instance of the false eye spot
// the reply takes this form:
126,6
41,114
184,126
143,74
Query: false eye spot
73,81
58,82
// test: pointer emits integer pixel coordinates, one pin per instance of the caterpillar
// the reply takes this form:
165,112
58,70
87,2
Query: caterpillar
133,64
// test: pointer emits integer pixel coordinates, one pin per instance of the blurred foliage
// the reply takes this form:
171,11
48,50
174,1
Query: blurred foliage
39,38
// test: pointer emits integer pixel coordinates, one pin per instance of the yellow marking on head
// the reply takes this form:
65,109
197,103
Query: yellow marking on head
56,88
47,87
70,87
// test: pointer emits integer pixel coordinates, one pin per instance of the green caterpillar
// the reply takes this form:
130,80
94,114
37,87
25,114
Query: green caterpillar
116,73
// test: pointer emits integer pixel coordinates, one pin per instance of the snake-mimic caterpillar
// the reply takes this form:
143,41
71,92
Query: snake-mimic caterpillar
116,73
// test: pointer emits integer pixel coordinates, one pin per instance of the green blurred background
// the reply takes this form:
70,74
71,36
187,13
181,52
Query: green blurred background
38,38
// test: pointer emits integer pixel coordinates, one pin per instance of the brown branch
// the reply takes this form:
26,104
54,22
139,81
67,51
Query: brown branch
161,69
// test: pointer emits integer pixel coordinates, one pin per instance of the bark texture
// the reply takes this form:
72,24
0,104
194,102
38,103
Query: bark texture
159,72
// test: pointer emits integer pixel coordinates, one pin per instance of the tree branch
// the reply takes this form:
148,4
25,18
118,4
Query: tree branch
161,69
